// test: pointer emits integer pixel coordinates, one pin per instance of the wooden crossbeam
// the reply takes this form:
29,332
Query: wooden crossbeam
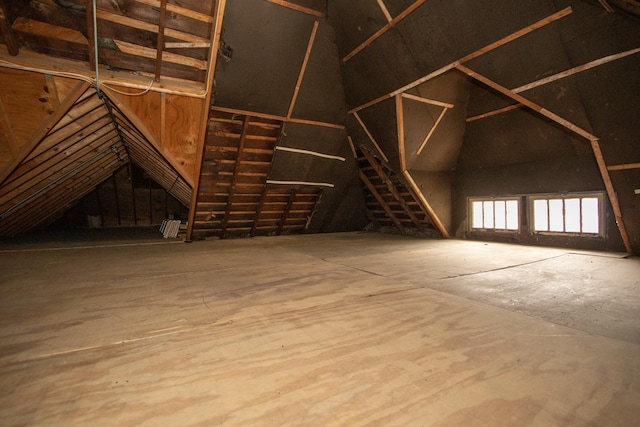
276,117
494,112
384,29
427,100
204,117
371,138
384,10
160,40
297,7
513,36
400,128
575,70
613,197
303,68
625,166
91,46
433,129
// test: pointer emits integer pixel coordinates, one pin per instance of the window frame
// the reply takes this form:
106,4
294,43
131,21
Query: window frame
471,228
530,201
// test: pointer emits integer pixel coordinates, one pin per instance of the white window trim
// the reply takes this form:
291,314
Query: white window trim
589,194
470,201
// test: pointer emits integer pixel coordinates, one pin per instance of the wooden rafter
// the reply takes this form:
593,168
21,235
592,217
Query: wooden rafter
427,100
384,29
371,138
276,117
303,68
613,197
204,118
400,128
513,36
160,43
384,10
44,128
625,166
431,131
495,112
575,70
426,206
90,34
297,7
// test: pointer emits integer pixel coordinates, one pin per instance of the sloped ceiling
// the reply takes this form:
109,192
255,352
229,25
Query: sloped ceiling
411,80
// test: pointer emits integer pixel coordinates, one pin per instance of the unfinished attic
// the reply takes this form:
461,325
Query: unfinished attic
455,184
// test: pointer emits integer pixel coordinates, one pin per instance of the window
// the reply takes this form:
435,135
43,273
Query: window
494,214
573,213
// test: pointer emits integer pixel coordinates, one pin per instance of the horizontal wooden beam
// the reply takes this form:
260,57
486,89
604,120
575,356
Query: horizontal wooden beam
275,117
625,166
297,7
180,11
427,100
495,112
384,29
575,70
524,101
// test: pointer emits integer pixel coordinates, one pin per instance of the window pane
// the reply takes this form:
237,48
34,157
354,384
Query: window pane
500,215
572,215
488,214
590,215
556,216
476,208
540,215
512,215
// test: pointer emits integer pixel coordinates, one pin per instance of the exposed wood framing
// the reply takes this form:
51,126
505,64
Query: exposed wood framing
7,32
297,7
427,100
91,45
384,10
173,8
625,166
204,118
524,31
44,128
606,6
371,138
613,198
384,29
400,127
236,170
426,206
303,68
352,146
142,127
575,70
310,153
275,117
160,43
431,131
495,112
285,213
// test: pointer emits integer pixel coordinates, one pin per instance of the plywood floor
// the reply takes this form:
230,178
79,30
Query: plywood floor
340,329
